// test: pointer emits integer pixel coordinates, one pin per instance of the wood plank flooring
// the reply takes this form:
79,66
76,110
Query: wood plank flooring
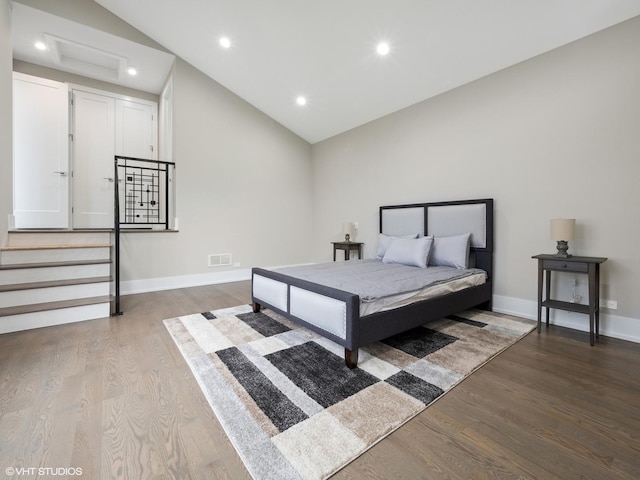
115,398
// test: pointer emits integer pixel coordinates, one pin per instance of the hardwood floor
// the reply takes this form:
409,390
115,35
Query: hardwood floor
115,398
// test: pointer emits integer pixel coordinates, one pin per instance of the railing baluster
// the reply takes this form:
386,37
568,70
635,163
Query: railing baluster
143,210
116,225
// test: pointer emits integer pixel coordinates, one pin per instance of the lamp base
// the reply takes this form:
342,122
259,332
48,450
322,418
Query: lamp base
347,237
563,246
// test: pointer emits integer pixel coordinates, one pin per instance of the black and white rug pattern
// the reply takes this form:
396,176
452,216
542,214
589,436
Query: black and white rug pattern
291,407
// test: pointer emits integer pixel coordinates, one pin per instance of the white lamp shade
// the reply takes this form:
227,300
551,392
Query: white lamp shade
563,228
347,228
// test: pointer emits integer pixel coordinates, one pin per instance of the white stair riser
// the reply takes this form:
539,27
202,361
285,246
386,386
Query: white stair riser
16,257
56,238
46,274
27,321
53,294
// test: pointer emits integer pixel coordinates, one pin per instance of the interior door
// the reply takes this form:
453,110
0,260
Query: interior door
104,126
136,129
93,154
40,152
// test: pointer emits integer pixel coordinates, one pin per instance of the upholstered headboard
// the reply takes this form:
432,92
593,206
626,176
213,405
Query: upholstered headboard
443,219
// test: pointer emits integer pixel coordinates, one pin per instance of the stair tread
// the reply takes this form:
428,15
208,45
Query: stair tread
40,307
54,283
70,263
53,247
79,230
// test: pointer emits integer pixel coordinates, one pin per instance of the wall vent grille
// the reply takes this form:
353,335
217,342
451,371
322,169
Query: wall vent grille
220,260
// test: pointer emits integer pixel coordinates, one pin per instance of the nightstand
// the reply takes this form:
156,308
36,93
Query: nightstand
347,247
589,266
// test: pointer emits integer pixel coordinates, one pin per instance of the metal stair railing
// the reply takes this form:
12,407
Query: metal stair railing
145,204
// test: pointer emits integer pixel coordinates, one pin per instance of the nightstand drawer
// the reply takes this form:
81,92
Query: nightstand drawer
565,266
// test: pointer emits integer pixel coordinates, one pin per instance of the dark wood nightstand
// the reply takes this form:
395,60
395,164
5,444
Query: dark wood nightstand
347,247
587,265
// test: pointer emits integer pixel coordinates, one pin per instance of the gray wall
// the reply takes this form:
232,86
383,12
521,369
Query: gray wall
555,136
6,132
243,187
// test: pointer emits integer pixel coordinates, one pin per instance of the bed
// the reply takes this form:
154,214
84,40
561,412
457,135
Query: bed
337,307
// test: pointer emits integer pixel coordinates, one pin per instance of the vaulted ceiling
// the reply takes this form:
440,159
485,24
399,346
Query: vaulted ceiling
325,51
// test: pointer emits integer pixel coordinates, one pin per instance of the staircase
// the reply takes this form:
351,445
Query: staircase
54,277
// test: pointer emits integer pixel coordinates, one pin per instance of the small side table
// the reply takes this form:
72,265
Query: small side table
347,247
587,265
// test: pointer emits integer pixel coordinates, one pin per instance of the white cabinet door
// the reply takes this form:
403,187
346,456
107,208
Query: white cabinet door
136,129
40,152
93,159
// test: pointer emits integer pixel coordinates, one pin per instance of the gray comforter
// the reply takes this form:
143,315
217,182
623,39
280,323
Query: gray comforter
371,279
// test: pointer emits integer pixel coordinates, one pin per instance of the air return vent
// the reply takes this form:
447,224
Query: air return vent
220,259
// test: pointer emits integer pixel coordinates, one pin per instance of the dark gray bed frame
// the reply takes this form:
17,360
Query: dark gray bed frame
361,331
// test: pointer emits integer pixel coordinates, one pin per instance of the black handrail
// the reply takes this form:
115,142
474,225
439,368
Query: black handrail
116,226
161,168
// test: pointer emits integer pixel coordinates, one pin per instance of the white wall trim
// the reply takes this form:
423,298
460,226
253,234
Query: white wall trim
615,326
131,287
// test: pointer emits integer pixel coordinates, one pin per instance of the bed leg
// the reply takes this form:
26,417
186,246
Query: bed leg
351,357
256,307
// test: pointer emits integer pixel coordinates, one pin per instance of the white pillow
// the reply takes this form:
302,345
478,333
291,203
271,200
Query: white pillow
451,251
385,240
409,251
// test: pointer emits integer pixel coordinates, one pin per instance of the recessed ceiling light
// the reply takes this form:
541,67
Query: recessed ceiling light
40,46
225,42
301,100
132,71
383,48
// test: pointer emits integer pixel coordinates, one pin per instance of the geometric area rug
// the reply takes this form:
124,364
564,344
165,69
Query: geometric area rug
291,407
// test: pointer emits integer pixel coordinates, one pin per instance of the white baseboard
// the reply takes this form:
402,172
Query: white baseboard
615,326
129,287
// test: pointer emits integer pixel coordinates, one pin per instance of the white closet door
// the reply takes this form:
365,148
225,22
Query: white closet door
40,152
136,129
104,126
93,160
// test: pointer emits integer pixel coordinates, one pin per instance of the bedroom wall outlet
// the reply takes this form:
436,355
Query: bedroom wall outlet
611,304
355,225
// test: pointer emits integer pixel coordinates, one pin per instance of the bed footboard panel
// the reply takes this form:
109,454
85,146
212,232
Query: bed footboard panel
330,312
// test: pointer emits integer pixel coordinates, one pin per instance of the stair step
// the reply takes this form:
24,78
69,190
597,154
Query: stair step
53,253
53,283
54,264
51,292
50,306
45,272
53,313
16,248
57,237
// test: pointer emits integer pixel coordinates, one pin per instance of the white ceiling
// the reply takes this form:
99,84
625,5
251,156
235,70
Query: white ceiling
76,48
325,49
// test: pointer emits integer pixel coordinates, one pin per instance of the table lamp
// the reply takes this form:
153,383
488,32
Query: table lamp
348,230
562,230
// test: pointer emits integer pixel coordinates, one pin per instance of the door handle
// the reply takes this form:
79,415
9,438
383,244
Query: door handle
63,174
